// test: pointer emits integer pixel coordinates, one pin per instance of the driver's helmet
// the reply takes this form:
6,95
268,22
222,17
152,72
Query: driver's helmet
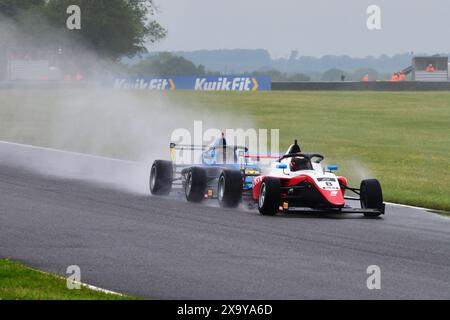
299,163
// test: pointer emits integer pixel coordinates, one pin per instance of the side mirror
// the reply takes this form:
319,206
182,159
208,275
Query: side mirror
332,168
281,166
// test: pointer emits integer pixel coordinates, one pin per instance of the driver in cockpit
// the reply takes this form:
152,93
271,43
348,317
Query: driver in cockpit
299,162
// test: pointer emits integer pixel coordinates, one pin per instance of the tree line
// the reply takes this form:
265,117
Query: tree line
169,64
110,28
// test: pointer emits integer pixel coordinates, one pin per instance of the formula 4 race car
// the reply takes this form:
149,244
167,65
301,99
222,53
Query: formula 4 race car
297,182
223,172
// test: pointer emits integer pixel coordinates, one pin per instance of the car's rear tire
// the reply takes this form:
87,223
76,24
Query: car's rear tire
371,197
269,196
229,188
195,184
161,176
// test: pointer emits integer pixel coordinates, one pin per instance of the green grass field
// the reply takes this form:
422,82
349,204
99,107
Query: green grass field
18,282
403,139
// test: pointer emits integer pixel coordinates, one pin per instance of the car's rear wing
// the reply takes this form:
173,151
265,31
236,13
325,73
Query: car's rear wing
263,159
263,155
198,147
188,147
178,146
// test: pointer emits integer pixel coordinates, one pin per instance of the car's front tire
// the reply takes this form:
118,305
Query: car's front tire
229,188
269,196
371,197
161,176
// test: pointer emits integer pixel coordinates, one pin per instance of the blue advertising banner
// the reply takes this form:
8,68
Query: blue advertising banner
206,83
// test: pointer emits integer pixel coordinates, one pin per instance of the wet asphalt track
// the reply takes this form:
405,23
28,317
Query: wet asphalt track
60,209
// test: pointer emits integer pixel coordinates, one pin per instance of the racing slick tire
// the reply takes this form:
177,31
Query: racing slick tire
371,196
229,188
161,176
195,184
269,196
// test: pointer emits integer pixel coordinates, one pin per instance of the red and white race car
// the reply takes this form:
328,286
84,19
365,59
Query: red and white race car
297,182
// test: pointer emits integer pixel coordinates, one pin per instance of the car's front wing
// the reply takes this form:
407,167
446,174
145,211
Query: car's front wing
334,210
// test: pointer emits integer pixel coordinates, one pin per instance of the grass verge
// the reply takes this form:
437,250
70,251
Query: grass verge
18,282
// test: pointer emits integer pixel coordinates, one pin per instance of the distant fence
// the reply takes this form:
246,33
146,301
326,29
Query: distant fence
30,85
197,83
242,84
363,86
248,83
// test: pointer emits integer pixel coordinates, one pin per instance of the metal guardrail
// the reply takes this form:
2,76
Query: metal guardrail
363,86
276,86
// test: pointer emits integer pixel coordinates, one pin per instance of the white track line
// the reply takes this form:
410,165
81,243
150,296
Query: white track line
94,288
408,206
85,285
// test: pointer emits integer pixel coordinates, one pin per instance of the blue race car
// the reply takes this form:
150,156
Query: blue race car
223,172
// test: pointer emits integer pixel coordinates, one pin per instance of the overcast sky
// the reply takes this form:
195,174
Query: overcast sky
313,27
